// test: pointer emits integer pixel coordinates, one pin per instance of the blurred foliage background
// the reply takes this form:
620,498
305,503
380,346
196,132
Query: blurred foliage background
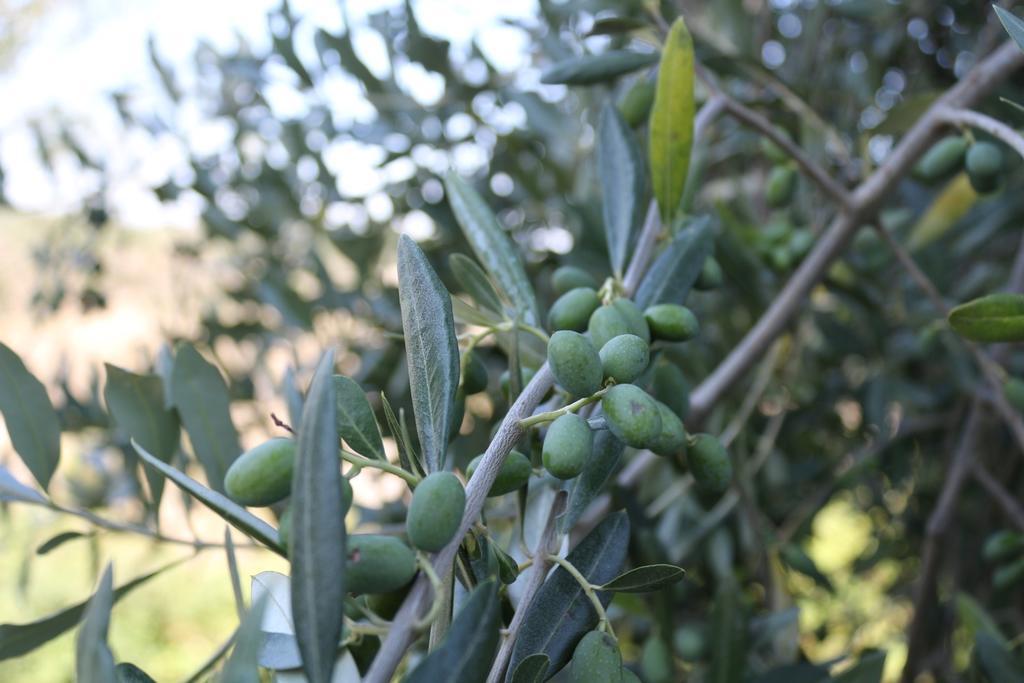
302,159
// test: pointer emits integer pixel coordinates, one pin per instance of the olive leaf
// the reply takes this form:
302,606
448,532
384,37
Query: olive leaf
292,396
728,635
230,511
13,490
590,482
243,664
671,126
992,318
673,273
136,402
590,69
645,579
356,423
1012,23
20,639
532,669
94,662
492,246
475,282
31,420
466,653
60,539
431,350
126,672
622,185
561,613
995,659
465,313
318,529
201,397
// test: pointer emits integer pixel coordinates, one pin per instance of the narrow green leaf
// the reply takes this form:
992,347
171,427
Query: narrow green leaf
60,539
1012,23
673,273
467,314
532,669
126,672
995,660
230,511
492,246
292,396
356,423
867,670
645,579
431,350
728,636
561,613
671,126
31,420
976,619
94,663
236,580
467,651
13,490
475,282
201,398
136,402
20,639
590,482
622,185
798,560
590,69
318,529
243,664
405,454
992,318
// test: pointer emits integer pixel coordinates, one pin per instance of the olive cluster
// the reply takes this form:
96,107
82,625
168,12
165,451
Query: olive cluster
982,160
600,346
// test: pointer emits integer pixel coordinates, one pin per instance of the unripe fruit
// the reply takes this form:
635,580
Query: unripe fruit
596,659
567,446
670,387
566,278
475,379
984,163
606,323
709,463
636,104
672,322
656,661
710,275
262,475
672,437
945,157
624,358
513,475
634,317
690,642
386,605
574,363
772,151
572,310
377,564
632,416
778,190
526,374
436,511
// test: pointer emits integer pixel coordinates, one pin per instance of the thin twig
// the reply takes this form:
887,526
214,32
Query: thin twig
974,119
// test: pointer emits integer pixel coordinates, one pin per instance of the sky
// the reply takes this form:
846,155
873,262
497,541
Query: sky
85,49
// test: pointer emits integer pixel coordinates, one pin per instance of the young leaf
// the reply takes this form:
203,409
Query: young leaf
31,420
645,579
136,402
60,539
622,185
992,318
356,423
201,398
405,454
430,348
561,613
532,669
590,69
590,482
492,246
466,653
318,529
676,269
465,313
243,664
671,126
230,511
13,490
1012,23
94,663
474,282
